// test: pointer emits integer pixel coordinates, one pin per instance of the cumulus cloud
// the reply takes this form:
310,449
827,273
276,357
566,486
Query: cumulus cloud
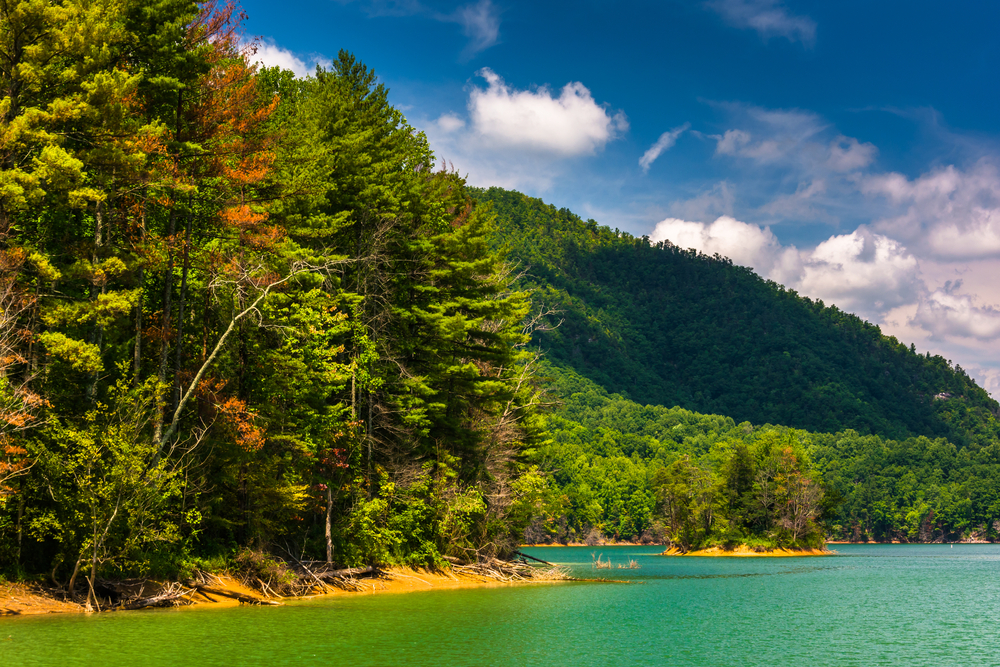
860,272
523,139
745,244
534,120
664,143
768,17
946,313
268,54
949,213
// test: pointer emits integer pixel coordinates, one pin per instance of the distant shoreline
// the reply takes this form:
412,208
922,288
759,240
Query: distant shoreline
743,551
593,546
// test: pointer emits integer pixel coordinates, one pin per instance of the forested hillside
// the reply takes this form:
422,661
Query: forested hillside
668,326
621,470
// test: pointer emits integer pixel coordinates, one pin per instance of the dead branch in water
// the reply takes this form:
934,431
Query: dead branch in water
510,571
173,595
599,564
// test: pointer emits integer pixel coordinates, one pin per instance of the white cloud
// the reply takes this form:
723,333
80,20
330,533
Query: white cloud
745,244
860,272
768,17
771,136
946,313
801,203
664,143
450,122
480,23
732,142
790,138
949,213
269,54
569,125
987,378
712,203
522,139
847,154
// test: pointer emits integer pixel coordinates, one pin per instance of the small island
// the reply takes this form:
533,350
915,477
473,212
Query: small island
760,499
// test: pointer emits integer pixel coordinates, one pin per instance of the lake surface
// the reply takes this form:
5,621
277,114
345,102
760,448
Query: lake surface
869,605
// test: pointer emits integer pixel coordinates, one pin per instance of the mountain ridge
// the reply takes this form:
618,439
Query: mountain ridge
662,325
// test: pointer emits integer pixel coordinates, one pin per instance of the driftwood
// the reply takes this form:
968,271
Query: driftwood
348,572
322,584
537,560
243,599
172,596
508,571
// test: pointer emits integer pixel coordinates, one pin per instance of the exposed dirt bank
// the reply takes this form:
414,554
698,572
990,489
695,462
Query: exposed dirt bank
594,546
744,551
21,599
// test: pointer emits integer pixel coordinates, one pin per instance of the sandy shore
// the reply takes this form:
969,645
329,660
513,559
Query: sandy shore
592,546
20,599
743,551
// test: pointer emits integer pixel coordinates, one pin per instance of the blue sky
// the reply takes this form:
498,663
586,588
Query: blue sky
849,150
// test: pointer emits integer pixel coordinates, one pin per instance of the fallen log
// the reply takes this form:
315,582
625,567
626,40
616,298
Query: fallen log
242,598
168,598
348,572
537,560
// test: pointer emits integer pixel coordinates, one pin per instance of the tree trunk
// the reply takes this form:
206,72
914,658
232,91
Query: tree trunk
168,284
175,394
97,333
137,352
329,528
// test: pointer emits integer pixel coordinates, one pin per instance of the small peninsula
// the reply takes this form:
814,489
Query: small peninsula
749,500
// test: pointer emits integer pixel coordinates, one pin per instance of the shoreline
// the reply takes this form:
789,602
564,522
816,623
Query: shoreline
592,546
743,551
25,600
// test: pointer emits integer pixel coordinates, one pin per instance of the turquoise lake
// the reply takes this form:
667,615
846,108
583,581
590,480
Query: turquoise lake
868,605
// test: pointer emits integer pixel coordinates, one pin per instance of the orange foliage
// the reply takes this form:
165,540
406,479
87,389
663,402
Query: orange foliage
19,406
235,414
231,120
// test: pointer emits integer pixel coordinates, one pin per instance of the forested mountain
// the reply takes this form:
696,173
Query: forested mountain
668,326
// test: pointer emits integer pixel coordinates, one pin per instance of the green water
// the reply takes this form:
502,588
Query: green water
891,604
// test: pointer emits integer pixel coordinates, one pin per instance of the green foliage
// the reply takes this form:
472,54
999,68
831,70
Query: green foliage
81,356
718,482
256,290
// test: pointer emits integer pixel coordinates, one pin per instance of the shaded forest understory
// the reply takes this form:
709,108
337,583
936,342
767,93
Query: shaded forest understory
245,314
